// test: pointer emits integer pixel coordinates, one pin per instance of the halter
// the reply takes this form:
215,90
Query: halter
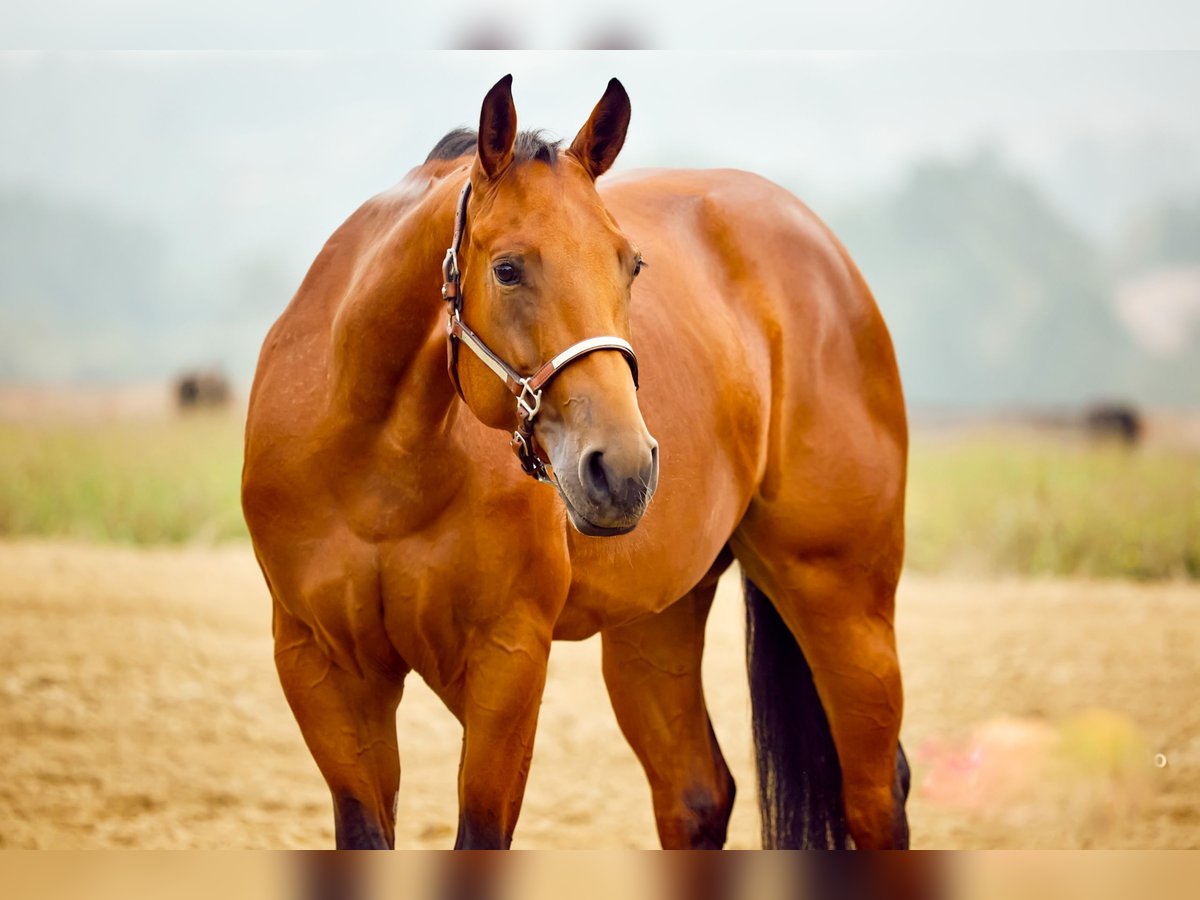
527,389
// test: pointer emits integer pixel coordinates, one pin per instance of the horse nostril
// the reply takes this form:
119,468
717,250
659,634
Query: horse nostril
597,478
620,482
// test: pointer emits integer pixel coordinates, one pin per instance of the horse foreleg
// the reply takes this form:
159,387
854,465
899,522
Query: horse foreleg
652,669
505,676
349,724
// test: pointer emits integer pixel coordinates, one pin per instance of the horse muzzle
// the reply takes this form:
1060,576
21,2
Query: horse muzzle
608,489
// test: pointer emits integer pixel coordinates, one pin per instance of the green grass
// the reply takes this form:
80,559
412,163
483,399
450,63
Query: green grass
142,482
1043,506
977,503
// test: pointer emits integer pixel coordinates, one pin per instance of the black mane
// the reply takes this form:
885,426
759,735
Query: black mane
529,145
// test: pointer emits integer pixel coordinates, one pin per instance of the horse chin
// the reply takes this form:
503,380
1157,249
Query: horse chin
586,526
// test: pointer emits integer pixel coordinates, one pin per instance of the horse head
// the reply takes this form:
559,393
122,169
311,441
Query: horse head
547,275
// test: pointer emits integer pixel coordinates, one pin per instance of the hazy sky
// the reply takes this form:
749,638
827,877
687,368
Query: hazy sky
268,152
233,168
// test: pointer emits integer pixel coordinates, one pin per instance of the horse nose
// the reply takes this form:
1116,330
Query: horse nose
620,481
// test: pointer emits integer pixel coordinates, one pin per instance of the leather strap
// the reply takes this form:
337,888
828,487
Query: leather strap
527,389
542,376
516,383
452,284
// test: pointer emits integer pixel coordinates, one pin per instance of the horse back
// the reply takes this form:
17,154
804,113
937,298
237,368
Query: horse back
769,381
789,306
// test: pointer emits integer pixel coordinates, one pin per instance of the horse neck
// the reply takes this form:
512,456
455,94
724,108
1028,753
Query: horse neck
389,357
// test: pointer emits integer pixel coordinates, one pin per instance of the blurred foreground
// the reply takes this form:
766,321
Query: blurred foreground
139,708
603,876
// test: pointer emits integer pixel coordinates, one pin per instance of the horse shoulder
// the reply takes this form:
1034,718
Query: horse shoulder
312,439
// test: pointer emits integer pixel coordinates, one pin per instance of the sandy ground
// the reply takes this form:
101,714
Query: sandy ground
139,707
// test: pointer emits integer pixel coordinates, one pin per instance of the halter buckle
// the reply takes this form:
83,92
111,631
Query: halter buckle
450,266
527,409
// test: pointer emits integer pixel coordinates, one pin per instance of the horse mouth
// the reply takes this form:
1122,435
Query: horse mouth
586,526
602,500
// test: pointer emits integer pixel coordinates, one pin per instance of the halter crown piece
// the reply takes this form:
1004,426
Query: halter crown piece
526,388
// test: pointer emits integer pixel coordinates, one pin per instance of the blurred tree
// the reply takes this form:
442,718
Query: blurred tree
992,297
82,292
1157,257
89,296
1166,235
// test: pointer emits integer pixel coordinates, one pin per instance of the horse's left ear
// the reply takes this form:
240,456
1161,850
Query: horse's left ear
602,136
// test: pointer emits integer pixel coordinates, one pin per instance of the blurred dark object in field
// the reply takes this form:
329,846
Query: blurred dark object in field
1099,420
1120,421
202,390
1103,420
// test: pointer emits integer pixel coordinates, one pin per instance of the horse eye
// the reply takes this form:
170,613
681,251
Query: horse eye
638,265
506,273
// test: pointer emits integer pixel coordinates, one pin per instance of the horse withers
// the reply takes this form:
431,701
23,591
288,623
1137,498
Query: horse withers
691,371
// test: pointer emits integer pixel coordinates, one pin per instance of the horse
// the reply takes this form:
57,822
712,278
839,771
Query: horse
691,372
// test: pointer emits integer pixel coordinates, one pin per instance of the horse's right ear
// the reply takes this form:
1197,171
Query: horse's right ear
497,128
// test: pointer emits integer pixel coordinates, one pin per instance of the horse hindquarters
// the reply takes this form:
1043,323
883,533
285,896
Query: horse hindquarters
799,779
826,738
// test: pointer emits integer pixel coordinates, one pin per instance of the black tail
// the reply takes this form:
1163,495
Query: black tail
799,778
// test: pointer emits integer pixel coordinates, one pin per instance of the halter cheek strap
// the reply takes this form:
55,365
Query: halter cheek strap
526,389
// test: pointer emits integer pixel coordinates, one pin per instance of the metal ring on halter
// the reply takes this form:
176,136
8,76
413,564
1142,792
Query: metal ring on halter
519,438
450,273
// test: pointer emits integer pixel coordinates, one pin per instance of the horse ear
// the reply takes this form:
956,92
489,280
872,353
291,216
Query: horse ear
497,128
602,136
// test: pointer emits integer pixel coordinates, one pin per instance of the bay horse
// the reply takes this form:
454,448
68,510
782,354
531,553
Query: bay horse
499,288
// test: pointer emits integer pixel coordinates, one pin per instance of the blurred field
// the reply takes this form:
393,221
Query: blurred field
979,501
1020,502
140,480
